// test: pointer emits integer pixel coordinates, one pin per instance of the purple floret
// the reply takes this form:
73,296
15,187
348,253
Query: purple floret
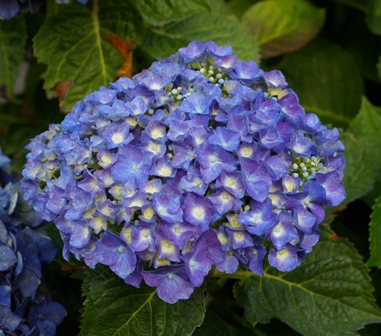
256,179
132,164
213,159
198,211
113,251
172,283
284,260
197,263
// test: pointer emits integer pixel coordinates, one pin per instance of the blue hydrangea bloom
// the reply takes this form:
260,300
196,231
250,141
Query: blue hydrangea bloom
10,8
25,304
201,161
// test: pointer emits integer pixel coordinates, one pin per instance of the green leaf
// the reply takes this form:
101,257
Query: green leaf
283,26
223,30
12,43
115,308
239,7
373,18
375,235
367,125
329,294
216,326
73,46
358,174
326,80
161,12
53,8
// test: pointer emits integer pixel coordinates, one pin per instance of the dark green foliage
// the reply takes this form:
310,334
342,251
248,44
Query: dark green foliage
214,325
281,26
366,126
329,294
12,46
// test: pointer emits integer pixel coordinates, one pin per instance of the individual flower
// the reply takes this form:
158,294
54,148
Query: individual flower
200,161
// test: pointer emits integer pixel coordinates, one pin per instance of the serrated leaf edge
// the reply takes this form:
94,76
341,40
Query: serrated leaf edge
372,259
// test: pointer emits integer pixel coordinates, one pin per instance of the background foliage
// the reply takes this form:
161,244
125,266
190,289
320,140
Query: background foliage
329,52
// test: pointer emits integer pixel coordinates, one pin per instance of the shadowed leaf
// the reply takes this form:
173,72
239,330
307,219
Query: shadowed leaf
283,26
12,42
216,326
373,18
366,126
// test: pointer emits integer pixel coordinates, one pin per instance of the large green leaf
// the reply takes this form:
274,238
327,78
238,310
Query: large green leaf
114,308
73,46
283,26
162,12
367,125
329,294
373,18
326,79
375,235
12,43
203,26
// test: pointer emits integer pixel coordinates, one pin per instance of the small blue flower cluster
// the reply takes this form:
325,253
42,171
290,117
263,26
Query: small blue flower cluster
25,304
10,8
199,161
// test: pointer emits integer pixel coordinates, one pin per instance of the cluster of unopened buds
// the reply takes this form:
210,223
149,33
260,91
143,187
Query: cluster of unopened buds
200,161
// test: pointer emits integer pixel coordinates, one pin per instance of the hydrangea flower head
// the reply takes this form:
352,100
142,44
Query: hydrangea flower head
198,162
